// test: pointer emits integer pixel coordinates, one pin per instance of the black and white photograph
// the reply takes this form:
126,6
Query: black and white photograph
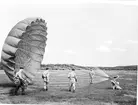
69,52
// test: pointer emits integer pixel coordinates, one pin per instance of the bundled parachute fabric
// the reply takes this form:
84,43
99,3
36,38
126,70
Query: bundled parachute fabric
100,75
24,48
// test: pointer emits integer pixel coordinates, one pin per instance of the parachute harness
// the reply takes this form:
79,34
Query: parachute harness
20,82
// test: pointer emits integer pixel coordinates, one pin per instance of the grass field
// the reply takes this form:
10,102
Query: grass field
86,94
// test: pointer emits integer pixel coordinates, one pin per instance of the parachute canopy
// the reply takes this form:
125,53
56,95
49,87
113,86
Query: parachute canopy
24,47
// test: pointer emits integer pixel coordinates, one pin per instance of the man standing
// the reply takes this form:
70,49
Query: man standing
45,77
72,80
91,74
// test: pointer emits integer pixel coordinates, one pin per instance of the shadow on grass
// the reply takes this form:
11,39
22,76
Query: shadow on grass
66,90
12,92
130,102
7,85
109,88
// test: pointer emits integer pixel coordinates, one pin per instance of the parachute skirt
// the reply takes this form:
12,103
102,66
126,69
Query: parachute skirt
24,47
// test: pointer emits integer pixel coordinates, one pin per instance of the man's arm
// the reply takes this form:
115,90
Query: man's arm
69,75
75,77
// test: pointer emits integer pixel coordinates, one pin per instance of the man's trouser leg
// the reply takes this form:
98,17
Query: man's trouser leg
16,89
90,78
24,85
70,86
23,90
113,87
45,85
118,87
73,86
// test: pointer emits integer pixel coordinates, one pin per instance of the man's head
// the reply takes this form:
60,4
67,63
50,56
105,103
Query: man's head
17,81
47,68
73,69
116,77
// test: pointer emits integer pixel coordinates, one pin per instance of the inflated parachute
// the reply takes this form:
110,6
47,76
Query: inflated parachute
24,47
100,75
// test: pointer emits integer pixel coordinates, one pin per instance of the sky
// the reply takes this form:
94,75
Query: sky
98,33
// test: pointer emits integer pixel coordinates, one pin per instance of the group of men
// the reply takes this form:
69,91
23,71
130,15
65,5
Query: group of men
73,79
22,83
71,76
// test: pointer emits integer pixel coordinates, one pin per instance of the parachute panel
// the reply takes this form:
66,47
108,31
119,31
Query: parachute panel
9,49
12,41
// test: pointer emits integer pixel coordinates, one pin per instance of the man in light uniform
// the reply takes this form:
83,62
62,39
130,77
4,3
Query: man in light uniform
91,74
72,80
114,83
45,77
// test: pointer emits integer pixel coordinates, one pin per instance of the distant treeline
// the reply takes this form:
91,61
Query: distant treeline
70,66
77,67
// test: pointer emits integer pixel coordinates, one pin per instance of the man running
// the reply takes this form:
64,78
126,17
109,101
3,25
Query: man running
72,80
45,77
91,74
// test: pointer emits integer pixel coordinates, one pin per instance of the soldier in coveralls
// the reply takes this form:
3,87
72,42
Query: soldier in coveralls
114,83
20,82
72,80
91,74
45,77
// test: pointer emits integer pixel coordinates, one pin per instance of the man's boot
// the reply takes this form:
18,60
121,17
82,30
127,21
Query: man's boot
73,91
16,90
23,91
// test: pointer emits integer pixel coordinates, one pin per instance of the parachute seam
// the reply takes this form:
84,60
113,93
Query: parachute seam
29,35
31,59
35,29
11,68
39,24
16,36
20,29
8,72
11,45
31,52
8,53
8,60
32,44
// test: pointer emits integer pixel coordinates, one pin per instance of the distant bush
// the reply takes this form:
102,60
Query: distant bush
70,66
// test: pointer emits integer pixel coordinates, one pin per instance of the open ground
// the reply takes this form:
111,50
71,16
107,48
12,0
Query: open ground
99,93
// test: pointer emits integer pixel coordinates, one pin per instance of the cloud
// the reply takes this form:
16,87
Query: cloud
119,49
70,52
108,42
132,41
103,48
